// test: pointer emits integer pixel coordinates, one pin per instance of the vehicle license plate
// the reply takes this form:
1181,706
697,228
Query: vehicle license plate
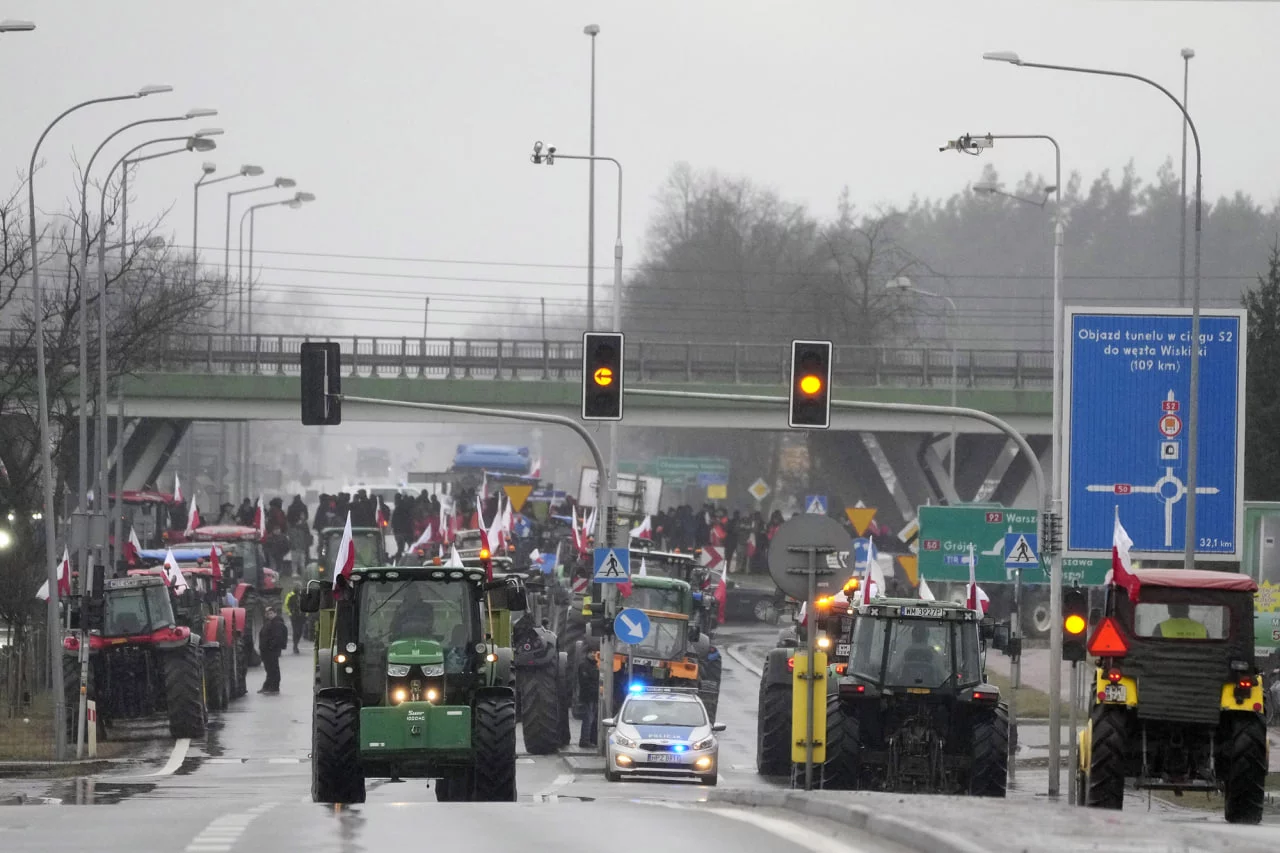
842,650
1115,693
663,758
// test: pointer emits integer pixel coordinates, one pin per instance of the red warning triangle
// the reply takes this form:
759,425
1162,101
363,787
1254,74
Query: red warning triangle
1107,641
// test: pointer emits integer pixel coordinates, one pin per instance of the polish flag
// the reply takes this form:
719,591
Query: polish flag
590,527
579,539
644,530
345,557
215,564
132,549
722,592
625,587
425,539
445,524
455,559
177,489
495,539
173,573
975,598
260,518
536,469
193,517
64,579
1121,573
508,520
926,594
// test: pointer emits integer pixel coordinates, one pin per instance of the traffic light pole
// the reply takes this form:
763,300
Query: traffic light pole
1072,760
1037,471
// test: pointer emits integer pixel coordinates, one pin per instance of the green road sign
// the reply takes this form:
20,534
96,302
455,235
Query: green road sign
946,532
678,471
1086,571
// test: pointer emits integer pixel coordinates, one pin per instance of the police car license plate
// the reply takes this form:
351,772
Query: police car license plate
663,758
842,650
1115,693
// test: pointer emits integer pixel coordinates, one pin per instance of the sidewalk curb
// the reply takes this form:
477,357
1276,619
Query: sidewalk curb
889,828
732,652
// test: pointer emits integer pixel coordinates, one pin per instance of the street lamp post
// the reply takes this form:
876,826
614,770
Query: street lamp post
1187,55
975,144
42,393
278,183
591,30
604,501
192,144
1193,412
293,204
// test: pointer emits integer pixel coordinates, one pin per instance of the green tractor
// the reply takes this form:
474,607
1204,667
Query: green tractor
411,682
371,550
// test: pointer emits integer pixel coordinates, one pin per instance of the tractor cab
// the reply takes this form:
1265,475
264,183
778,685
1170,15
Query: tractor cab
371,549
1177,703
136,607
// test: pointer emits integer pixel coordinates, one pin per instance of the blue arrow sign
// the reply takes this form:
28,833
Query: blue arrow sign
631,626
612,565
815,504
1127,386
1021,551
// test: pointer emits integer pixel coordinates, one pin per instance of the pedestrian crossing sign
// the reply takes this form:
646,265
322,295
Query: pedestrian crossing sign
815,505
1021,551
612,565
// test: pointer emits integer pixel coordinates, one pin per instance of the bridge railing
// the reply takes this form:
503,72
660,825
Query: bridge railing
646,360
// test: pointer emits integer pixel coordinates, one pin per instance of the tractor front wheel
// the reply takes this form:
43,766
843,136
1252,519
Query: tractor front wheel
216,676
1107,745
493,740
843,767
710,667
184,689
1246,769
336,774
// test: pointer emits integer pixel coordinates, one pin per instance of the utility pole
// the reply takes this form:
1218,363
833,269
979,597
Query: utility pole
591,30
426,309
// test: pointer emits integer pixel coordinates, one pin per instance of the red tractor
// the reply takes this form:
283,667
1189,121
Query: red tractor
252,582
152,515
142,663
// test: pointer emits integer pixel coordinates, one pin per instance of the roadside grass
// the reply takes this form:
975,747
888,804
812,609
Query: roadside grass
1213,802
1032,703
28,734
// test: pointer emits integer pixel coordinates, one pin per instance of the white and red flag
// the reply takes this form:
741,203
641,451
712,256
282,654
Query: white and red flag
193,517
345,557
975,598
132,549
64,579
173,573
1121,573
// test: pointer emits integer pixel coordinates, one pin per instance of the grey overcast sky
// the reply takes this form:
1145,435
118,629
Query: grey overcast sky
412,121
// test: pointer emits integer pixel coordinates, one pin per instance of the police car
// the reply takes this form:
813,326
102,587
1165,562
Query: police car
663,732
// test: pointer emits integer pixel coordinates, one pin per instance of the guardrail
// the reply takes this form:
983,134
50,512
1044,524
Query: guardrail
646,360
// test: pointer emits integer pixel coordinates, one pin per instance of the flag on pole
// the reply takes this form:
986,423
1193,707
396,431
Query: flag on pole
260,518
132,549
64,579
177,489
536,469
926,594
193,517
215,564
455,559
428,533
644,530
173,573
975,597
345,557
1121,573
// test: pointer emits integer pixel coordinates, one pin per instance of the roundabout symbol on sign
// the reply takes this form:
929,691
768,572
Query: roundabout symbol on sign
1170,425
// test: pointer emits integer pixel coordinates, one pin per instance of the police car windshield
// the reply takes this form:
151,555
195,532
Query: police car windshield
663,711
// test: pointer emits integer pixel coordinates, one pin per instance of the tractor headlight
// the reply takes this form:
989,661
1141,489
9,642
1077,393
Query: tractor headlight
705,743
431,670
623,740
397,670
399,695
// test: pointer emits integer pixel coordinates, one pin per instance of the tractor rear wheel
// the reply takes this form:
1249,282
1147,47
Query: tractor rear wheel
1107,746
773,729
455,788
493,741
564,691
184,690
244,648
709,669
843,767
540,709
989,776
215,671
336,774
1246,769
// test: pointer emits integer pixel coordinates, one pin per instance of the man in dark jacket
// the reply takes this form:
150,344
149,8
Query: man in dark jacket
272,640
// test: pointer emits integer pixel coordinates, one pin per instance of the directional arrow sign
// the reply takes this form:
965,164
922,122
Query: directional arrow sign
631,626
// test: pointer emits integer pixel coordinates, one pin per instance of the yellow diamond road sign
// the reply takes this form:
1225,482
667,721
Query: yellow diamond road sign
518,493
759,490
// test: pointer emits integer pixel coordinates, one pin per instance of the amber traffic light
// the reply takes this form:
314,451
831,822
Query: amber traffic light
1075,622
810,400
602,376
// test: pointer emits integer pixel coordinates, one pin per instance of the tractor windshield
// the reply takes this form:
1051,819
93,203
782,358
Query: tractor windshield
915,653
651,598
368,548
437,610
140,610
667,640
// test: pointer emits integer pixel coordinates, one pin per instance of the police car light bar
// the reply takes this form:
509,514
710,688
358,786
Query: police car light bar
637,687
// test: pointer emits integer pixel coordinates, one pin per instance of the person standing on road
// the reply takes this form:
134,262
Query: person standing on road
272,640
293,609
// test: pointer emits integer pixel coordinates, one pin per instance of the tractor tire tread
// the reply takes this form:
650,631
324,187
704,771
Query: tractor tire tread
336,774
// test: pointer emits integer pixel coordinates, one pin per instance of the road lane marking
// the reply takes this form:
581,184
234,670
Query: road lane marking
794,833
222,833
179,755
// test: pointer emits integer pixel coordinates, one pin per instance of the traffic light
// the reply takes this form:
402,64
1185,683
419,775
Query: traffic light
810,385
1075,622
321,384
602,376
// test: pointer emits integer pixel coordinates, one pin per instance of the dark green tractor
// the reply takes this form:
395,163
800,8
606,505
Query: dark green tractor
413,684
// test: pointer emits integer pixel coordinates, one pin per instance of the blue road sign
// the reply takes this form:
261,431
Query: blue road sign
863,549
815,504
1022,551
712,479
631,626
1127,384
613,565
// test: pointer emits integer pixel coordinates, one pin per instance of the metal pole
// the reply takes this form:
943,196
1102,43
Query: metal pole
543,302
952,305
253,214
591,30
124,216
1187,54
1074,701
48,510
426,309
812,641
119,466
1015,668
615,539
